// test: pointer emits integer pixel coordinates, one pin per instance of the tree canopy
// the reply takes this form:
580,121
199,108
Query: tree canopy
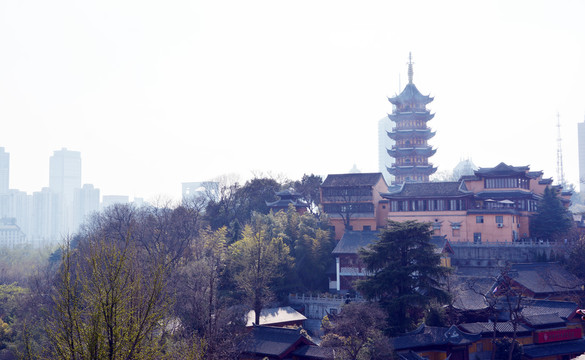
405,273
552,219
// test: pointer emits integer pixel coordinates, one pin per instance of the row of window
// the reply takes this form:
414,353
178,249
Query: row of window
410,106
408,143
428,205
347,191
499,183
407,124
499,219
477,237
455,205
348,208
417,160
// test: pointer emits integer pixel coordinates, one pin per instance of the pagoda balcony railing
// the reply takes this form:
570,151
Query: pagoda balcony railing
394,147
426,129
404,166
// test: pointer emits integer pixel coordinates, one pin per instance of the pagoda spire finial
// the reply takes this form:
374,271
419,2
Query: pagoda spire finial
410,72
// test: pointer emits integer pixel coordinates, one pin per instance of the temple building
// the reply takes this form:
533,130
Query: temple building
411,151
493,205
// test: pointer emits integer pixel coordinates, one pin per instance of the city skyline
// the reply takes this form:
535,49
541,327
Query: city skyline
154,95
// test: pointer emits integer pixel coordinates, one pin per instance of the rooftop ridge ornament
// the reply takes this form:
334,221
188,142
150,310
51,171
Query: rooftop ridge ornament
410,72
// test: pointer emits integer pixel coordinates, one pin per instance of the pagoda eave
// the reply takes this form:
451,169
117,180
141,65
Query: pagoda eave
410,133
411,115
399,152
411,170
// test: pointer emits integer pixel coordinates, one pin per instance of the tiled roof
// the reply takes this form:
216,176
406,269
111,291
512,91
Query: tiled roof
359,179
502,169
429,189
544,278
564,309
431,335
409,94
548,320
275,316
352,241
488,328
314,352
284,203
574,347
273,341
288,193
441,244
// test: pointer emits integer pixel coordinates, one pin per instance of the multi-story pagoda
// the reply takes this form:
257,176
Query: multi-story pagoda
411,151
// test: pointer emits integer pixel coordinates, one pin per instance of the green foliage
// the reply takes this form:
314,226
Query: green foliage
310,244
357,332
552,220
309,188
503,349
235,204
258,260
200,280
405,273
107,304
16,265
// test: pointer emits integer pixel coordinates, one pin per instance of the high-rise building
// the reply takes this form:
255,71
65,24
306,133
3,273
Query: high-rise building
4,171
411,152
581,138
86,201
46,225
385,143
65,172
4,177
64,180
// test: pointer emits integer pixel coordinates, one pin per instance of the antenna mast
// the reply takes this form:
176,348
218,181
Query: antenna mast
560,172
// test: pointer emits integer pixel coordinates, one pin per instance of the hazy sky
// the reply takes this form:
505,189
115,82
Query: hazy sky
156,93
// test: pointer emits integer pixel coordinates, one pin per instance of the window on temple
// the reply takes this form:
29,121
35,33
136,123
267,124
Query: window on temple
506,182
477,238
499,219
479,219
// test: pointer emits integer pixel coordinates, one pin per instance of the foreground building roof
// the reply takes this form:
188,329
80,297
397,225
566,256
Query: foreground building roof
344,180
426,336
274,342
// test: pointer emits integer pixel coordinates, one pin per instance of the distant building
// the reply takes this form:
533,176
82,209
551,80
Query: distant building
464,168
385,143
65,172
353,201
286,198
493,205
64,180
206,189
4,177
4,171
411,151
86,201
45,224
10,234
109,200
